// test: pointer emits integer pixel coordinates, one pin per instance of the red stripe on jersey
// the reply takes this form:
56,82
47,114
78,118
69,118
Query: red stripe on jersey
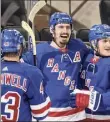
65,113
40,111
94,120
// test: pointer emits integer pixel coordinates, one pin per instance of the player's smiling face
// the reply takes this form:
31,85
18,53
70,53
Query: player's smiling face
104,47
62,34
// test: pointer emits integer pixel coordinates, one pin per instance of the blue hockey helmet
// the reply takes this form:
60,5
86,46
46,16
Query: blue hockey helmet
58,18
11,40
98,32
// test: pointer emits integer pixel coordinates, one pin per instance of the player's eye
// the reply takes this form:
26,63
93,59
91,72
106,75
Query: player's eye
105,40
61,27
68,27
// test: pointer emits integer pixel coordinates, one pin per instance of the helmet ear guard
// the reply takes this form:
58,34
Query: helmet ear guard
94,44
51,30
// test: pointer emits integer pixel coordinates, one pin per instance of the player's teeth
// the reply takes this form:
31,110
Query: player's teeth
63,36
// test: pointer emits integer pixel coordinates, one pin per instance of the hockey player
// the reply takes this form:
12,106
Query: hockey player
60,61
22,95
97,75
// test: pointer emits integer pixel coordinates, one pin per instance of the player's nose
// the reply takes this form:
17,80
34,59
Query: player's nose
108,43
65,30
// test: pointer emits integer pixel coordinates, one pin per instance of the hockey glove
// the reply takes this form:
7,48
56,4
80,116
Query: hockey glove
87,99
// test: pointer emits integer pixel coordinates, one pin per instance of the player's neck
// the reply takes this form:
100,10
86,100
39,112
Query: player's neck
53,44
11,58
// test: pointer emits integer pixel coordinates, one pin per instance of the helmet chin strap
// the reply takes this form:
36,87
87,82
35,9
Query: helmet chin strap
95,48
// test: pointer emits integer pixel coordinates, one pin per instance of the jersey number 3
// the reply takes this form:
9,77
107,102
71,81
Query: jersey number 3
13,108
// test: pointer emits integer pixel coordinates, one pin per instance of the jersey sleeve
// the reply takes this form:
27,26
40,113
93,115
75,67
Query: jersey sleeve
38,99
106,95
104,88
106,99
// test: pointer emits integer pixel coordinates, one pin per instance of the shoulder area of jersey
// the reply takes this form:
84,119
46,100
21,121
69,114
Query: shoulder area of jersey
77,42
30,68
42,43
106,61
42,46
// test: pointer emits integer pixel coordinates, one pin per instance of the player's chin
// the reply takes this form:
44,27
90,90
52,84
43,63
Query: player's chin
106,53
65,41
62,44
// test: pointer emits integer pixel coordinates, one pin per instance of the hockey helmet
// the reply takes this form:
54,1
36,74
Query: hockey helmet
98,32
11,40
58,18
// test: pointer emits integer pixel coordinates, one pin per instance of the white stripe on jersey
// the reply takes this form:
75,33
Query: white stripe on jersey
74,117
41,110
98,117
41,114
40,106
60,109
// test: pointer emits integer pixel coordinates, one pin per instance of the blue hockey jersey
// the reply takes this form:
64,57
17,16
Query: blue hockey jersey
60,69
97,76
22,93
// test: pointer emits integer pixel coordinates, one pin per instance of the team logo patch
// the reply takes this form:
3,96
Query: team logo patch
77,57
5,69
21,60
